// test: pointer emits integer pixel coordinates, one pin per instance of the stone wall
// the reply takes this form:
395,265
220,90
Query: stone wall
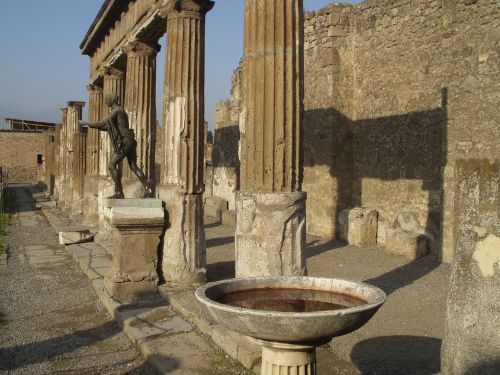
19,155
394,91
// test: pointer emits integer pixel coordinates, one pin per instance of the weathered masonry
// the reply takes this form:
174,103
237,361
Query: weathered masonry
394,93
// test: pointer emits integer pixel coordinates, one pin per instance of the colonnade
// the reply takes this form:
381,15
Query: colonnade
271,207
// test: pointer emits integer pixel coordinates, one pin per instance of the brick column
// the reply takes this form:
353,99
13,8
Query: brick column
184,254
270,232
140,104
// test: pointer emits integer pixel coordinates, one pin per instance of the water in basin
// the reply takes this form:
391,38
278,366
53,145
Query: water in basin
289,300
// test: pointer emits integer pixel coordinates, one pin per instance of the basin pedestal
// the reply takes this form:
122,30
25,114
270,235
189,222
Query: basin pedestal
283,358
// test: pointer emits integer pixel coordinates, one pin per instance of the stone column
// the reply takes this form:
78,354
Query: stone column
114,83
270,231
61,178
140,104
471,343
94,115
75,168
91,184
184,253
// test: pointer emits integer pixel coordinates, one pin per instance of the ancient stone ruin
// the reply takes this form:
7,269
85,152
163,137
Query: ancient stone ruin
376,123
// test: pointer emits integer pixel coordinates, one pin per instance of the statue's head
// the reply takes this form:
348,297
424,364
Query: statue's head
111,100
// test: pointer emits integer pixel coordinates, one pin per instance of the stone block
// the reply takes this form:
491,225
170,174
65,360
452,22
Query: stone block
382,228
74,237
270,234
409,221
358,226
133,274
229,218
214,207
409,244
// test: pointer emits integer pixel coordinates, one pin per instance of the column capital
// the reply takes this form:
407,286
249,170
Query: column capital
76,104
111,71
139,48
183,8
64,111
94,89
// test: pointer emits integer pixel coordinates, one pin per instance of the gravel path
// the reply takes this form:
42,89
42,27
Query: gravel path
53,323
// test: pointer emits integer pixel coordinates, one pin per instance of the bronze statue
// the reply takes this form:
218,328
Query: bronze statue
124,145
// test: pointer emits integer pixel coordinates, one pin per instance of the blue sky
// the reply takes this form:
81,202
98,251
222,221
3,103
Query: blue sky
42,68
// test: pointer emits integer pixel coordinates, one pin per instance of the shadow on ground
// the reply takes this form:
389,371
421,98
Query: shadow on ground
404,275
16,357
396,355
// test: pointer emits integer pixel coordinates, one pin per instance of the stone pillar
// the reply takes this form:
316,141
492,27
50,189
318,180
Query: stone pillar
91,184
137,227
140,104
61,179
471,342
114,83
76,158
184,253
270,231
94,115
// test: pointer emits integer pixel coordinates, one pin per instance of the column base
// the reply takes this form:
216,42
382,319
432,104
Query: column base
137,227
184,253
270,234
281,358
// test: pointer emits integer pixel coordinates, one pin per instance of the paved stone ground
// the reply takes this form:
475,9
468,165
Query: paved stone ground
72,331
54,322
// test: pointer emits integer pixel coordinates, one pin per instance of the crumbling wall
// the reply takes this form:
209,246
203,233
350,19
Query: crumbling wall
19,155
394,91
328,81
425,91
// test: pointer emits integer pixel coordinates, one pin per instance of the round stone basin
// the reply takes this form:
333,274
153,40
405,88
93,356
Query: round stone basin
291,309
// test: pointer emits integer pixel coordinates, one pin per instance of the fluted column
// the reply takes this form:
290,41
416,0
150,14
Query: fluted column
77,142
270,233
184,254
94,114
140,103
63,151
114,83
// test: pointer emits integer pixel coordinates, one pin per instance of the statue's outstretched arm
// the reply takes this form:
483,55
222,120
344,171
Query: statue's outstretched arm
100,125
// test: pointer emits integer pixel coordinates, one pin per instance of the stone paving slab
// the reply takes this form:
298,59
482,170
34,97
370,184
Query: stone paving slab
166,339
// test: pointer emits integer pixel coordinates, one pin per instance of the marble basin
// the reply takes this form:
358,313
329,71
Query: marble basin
310,327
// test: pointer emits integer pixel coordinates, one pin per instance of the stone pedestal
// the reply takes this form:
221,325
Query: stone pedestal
281,358
270,234
471,343
137,227
184,253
